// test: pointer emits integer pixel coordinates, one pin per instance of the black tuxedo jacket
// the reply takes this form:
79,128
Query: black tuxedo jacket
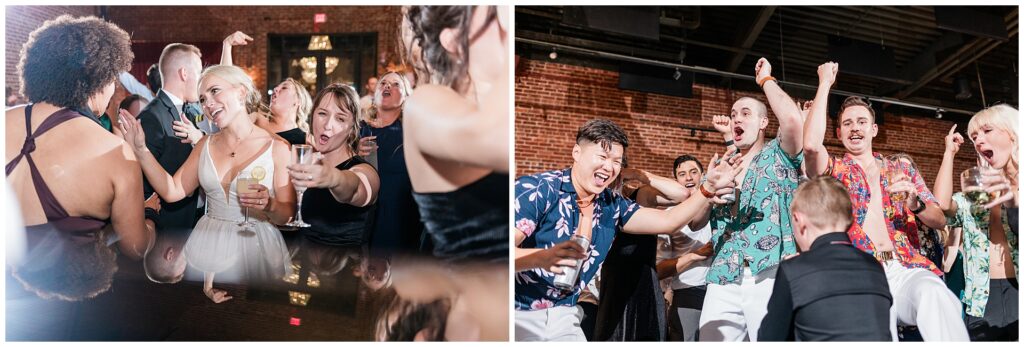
156,121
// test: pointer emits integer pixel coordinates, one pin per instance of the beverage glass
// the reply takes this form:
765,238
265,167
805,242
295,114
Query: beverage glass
973,187
571,274
242,187
301,154
372,157
893,175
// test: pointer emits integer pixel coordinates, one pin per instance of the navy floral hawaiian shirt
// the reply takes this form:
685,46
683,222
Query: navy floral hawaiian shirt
546,211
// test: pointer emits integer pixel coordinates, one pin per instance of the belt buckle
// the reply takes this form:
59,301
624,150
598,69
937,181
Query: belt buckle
884,256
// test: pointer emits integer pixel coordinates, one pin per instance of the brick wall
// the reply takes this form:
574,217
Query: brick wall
190,24
553,100
210,24
21,21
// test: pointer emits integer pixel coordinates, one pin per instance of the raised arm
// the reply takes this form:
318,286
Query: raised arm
723,124
170,188
444,125
720,179
126,213
790,122
656,191
815,154
944,179
237,38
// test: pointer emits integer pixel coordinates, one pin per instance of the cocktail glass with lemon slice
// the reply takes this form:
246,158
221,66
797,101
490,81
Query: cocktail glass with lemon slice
242,187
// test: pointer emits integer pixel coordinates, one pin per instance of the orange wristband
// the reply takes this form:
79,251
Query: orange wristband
706,193
762,81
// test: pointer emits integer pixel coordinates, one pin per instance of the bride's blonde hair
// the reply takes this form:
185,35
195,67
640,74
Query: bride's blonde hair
237,77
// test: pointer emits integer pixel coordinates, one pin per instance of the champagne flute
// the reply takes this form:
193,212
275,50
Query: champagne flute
372,157
301,154
242,187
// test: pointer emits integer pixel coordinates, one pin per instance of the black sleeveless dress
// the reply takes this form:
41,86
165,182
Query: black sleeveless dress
294,136
470,223
56,216
334,223
396,221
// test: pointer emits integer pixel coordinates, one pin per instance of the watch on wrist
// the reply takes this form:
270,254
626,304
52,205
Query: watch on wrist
920,207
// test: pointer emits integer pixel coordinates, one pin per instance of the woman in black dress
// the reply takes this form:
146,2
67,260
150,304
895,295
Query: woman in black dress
396,221
342,187
457,128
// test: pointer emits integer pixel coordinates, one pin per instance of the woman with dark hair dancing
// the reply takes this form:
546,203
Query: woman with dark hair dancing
456,131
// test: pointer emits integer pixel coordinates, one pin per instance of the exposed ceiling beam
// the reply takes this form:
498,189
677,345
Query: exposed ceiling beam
964,56
743,51
747,41
602,46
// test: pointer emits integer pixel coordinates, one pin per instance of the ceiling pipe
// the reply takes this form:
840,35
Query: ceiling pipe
710,71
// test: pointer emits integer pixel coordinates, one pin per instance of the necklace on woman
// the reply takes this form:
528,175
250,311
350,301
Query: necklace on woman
239,141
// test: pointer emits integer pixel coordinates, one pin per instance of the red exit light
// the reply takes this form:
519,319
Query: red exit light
295,321
320,18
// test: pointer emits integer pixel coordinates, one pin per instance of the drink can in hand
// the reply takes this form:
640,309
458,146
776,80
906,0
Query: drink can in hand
570,274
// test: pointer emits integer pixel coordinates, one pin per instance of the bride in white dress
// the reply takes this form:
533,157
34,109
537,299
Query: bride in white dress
218,244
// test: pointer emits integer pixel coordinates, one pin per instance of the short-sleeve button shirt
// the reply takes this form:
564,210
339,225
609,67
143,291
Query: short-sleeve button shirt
898,219
546,211
756,229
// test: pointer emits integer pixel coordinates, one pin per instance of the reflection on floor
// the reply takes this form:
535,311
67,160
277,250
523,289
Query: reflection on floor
333,294
317,308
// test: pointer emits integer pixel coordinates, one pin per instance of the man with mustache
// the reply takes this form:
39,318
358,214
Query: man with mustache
889,199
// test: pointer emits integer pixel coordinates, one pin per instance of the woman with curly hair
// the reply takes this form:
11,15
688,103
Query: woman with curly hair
456,130
57,153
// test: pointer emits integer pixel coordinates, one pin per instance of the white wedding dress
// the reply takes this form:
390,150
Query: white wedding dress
218,245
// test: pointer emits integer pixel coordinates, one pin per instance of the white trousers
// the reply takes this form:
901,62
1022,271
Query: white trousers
560,323
921,298
733,312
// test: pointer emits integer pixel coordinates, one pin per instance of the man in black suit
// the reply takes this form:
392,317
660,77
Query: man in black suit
180,66
831,291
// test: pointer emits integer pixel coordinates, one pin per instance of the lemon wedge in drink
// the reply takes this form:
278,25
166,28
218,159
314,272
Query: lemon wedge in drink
258,173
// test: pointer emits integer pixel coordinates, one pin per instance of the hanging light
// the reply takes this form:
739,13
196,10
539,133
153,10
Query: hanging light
308,65
962,87
320,43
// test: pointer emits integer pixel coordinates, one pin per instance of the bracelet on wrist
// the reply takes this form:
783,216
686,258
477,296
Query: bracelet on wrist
762,81
920,207
705,192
